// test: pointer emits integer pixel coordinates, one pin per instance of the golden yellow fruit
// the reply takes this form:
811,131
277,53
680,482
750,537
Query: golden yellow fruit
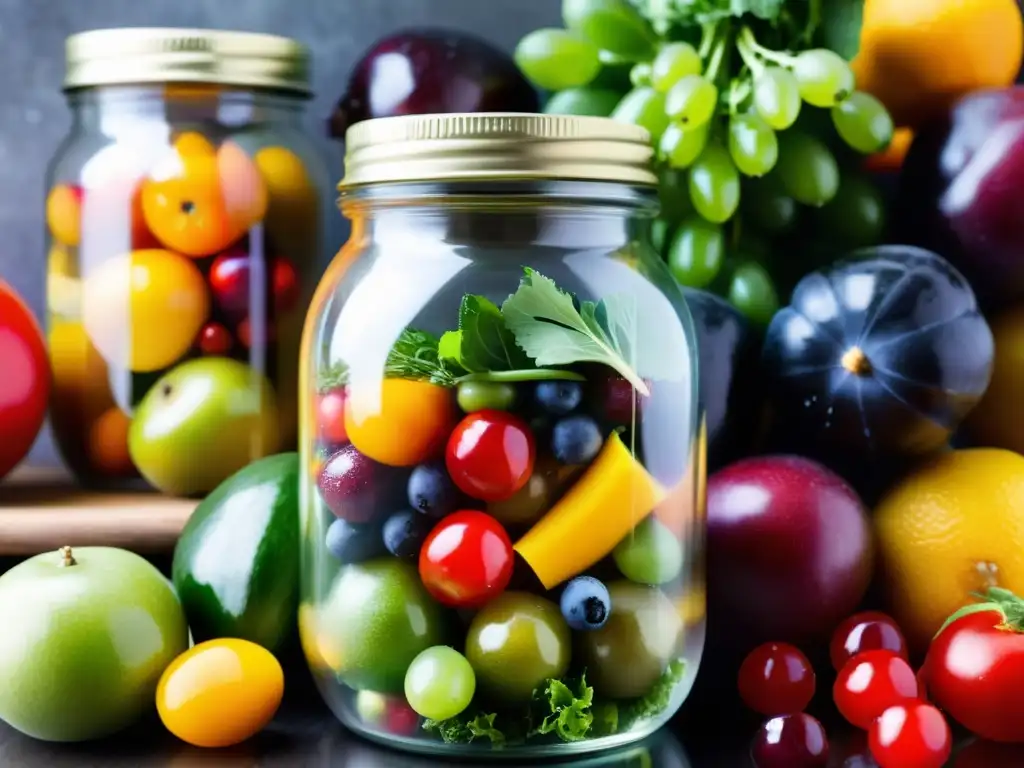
997,420
80,383
952,527
920,56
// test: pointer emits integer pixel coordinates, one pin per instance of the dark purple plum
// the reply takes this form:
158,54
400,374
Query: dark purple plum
431,71
790,741
353,485
959,192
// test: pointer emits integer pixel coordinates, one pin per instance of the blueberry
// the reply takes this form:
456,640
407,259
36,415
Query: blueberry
404,533
354,543
431,490
576,440
585,603
558,397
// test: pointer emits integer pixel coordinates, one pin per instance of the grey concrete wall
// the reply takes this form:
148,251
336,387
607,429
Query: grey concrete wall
33,116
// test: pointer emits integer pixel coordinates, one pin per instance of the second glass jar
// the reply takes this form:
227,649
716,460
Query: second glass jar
185,215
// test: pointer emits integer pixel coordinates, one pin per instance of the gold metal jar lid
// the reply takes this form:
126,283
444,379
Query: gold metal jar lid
154,55
496,146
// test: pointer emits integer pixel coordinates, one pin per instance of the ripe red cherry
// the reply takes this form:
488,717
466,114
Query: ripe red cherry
490,455
231,281
868,631
790,741
331,416
870,683
912,734
466,560
215,340
776,679
285,281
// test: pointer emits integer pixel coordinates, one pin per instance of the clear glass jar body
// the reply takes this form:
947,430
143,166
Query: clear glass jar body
184,225
455,488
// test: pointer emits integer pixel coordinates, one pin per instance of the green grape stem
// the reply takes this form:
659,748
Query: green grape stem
754,64
714,67
776,57
708,34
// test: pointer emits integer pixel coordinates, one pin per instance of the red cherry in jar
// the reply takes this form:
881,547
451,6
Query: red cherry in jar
330,409
870,683
466,560
232,283
215,340
867,631
776,679
490,455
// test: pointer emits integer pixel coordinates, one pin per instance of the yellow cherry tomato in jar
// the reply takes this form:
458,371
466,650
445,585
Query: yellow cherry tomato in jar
220,693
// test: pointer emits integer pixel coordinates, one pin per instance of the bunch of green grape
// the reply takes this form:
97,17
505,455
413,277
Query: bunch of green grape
759,149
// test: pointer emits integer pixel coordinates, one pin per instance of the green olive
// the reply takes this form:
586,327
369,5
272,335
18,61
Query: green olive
629,653
485,395
526,506
515,643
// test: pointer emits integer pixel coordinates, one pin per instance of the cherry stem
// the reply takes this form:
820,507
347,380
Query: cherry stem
67,558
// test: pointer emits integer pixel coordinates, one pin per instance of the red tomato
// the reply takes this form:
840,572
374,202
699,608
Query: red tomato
215,340
870,683
776,679
330,408
466,560
490,455
25,383
868,631
975,666
911,735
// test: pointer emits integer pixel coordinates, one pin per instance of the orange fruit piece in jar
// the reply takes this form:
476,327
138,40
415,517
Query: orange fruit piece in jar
143,310
220,693
107,446
406,422
919,56
64,213
201,199
292,210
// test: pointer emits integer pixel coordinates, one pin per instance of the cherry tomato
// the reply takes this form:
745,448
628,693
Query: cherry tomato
330,409
975,666
776,679
215,340
791,741
490,455
466,560
868,631
285,281
870,683
25,381
910,735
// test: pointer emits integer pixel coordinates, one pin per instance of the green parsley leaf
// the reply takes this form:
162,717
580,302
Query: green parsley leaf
564,711
486,343
415,356
466,728
655,701
841,22
332,377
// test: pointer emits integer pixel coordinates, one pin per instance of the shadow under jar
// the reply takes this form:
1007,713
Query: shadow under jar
185,214
502,444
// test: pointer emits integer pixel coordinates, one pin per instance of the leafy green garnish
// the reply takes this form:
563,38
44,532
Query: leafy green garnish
655,701
549,327
464,729
486,343
415,356
841,22
709,11
564,711
332,377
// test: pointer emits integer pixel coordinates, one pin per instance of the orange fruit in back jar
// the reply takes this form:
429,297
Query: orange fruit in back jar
202,199
64,213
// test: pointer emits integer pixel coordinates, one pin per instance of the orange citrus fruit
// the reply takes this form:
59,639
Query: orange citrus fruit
919,56
948,530
998,419
108,444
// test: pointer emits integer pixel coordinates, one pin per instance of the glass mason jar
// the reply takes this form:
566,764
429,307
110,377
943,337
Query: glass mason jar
185,212
501,443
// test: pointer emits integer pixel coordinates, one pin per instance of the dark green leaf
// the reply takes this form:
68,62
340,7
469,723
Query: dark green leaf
840,26
486,343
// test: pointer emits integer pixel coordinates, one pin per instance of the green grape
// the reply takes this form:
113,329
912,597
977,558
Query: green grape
863,122
554,59
682,146
767,207
824,77
674,62
611,25
856,215
807,169
674,194
777,97
645,107
692,101
439,683
474,396
696,252
595,102
715,184
640,74
752,292
661,234
752,144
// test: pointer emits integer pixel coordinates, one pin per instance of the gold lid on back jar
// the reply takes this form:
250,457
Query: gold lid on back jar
496,146
155,55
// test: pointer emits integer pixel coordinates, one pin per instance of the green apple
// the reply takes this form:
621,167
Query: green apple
202,422
85,636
